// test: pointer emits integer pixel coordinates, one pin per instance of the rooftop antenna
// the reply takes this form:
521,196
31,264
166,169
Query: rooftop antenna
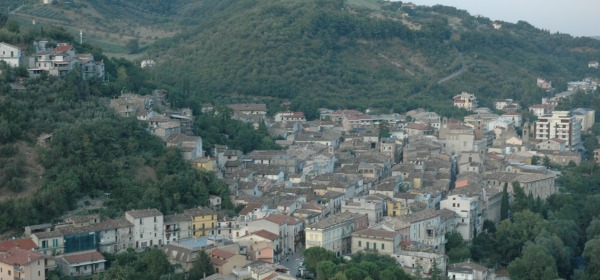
80,36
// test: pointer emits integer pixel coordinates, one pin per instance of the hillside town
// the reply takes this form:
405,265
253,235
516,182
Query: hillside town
349,182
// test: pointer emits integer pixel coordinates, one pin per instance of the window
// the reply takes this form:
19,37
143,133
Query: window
382,246
155,219
367,245
141,222
359,243
141,235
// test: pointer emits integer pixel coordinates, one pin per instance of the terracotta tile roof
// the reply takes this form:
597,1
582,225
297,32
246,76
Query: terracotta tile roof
63,48
24,243
221,254
17,256
218,262
90,256
280,219
266,234
271,276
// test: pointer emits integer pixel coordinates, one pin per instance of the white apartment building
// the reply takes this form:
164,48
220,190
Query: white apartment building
469,212
10,54
423,227
335,233
560,124
373,209
148,227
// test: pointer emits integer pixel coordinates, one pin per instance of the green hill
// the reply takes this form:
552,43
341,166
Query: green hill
330,53
360,54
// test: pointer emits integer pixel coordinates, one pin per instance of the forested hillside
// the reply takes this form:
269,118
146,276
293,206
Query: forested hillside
349,54
92,152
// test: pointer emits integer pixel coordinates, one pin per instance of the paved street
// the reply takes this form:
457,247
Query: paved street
294,261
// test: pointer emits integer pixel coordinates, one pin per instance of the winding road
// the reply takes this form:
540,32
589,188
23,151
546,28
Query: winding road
460,71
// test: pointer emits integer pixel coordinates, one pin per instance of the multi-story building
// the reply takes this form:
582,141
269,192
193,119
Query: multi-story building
373,209
63,59
560,124
148,226
470,222
465,100
204,220
177,227
424,227
18,264
81,263
456,138
376,240
538,184
335,233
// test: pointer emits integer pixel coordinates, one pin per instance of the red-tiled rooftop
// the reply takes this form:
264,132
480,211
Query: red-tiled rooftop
221,254
280,219
266,234
83,257
17,256
24,243
63,48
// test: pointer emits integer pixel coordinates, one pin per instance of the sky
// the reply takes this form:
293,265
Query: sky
574,17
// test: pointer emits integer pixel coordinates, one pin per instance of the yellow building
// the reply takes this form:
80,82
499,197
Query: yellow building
203,220
205,163
397,208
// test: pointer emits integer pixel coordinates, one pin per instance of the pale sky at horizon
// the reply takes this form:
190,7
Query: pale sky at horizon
575,17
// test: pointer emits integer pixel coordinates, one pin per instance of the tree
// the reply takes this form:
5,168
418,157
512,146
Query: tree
593,230
520,198
592,256
202,267
504,206
326,270
314,255
153,263
384,130
536,263
512,236
132,46
559,252
435,273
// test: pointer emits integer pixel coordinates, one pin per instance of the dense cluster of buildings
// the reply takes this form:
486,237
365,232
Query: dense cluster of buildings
337,184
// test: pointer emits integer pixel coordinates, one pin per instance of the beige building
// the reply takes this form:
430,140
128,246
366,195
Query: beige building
81,263
456,138
376,240
465,100
538,184
20,264
225,262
